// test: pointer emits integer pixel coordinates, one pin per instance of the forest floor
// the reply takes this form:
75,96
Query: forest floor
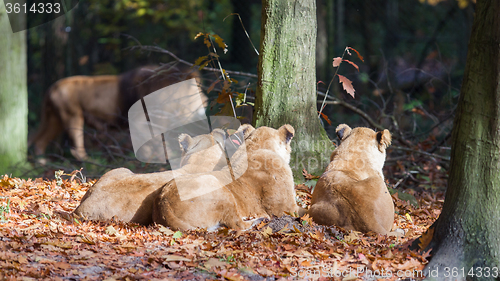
39,239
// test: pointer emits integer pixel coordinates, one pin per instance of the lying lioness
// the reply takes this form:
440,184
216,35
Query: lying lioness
129,197
99,100
351,193
252,187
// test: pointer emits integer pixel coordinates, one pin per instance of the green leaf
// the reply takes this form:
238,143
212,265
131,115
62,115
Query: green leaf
200,60
177,234
141,12
408,197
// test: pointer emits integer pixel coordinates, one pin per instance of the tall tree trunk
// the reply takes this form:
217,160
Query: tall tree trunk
13,94
286,90
467,233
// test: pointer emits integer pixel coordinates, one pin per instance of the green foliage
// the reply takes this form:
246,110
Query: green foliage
4,210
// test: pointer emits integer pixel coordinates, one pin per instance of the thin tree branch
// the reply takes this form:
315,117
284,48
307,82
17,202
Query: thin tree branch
421,152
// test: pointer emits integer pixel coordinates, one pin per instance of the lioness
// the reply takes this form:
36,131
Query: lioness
129,197
256,186
351,193
98,99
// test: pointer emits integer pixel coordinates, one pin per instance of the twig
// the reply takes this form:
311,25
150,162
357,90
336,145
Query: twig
161,50
331,81
421,152
360,112
248,36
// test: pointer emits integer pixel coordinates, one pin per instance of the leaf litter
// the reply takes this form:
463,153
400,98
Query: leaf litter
39,238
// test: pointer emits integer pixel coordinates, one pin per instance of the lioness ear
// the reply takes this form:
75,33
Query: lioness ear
219,135
384,140
286,132
343,131
185,141
246,129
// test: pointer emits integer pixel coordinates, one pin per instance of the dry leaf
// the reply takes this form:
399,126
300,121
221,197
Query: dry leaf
326,118
359,56
337,61
346,84
353,64
174,258
213,262
426,238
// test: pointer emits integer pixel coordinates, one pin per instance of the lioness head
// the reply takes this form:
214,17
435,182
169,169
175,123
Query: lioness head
362,146
191,145
267,138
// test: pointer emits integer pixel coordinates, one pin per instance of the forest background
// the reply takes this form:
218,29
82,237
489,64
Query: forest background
414,57
409,82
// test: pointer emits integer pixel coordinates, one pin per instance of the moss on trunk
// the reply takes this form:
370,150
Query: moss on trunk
13,94
286,93
466,235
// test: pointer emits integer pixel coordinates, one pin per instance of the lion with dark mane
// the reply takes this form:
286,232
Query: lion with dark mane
98,100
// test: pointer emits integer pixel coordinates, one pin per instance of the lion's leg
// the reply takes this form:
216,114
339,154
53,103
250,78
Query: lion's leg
49,129
74,126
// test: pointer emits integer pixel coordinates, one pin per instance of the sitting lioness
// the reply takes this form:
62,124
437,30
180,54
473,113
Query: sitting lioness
351,193
252,187
129,197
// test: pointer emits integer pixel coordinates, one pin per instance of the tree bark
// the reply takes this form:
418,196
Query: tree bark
467,233
286,91
13,94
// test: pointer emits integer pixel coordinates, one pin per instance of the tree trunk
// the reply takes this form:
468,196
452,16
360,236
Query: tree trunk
467,233
286,91
13,94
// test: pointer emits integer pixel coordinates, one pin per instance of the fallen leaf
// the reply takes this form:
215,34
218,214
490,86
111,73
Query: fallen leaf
353,235
110,230
308,176
166,231
62,265
174,258
213,262
267,231
426,238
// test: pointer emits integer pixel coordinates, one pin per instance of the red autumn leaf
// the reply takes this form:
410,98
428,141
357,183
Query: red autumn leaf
346,84
359,56
353,64
326,118
337,61
308,176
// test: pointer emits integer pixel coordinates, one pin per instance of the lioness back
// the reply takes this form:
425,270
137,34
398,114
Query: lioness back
257,184
352,193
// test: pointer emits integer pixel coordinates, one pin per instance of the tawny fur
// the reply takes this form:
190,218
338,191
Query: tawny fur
97,100
263,186
129,197
352,193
